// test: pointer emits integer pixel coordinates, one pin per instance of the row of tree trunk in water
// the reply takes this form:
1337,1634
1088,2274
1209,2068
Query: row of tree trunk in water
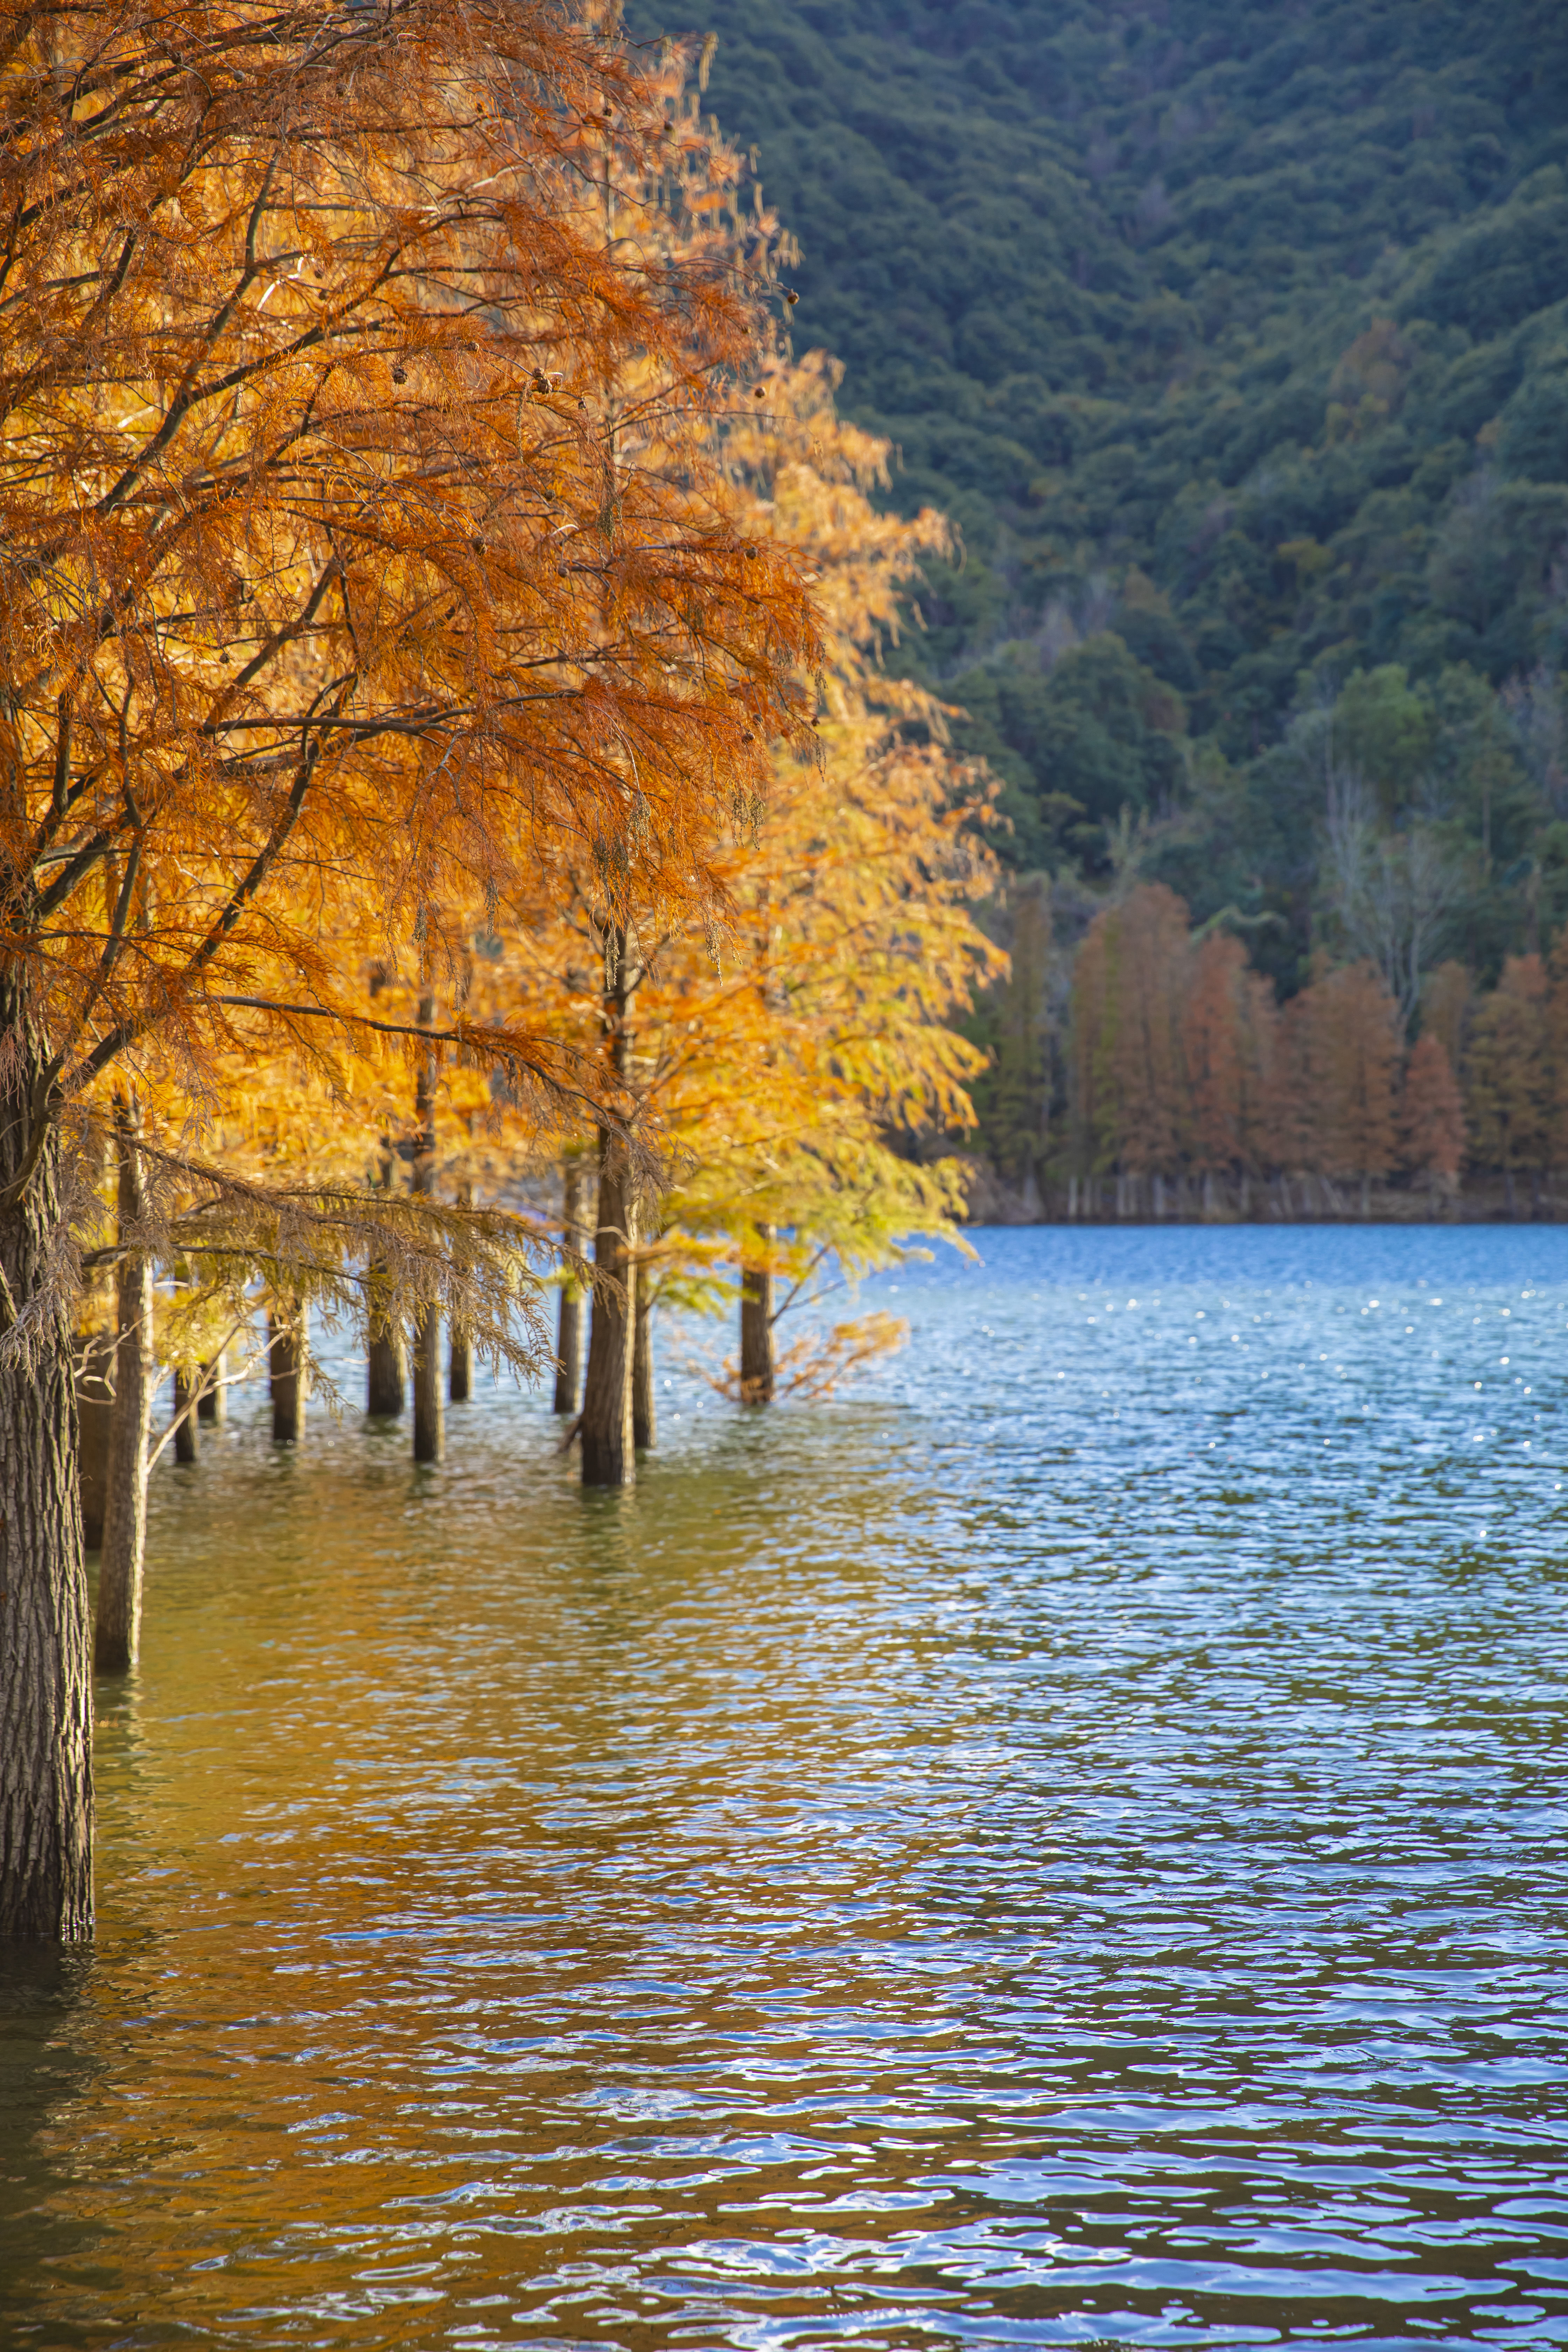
610,1403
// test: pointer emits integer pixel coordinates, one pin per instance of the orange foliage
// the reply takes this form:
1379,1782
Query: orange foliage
1130,1066
369,547
1509,1087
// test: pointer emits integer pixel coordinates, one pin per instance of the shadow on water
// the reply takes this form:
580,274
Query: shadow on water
44,2070
1066,1846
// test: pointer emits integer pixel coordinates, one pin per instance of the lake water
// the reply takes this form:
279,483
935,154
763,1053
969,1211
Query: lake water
1065,1845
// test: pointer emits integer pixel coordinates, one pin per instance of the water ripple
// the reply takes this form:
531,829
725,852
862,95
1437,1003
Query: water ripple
1069,1846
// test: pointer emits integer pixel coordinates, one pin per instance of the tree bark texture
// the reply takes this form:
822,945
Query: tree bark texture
607,1444
213,1405
385,1373
569,1326
187,1440
46,1637
117,1633
758,1376
286,1358
645,1412
429,1425
94,1360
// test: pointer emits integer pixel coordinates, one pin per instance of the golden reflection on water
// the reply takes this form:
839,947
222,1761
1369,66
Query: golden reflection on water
947,1866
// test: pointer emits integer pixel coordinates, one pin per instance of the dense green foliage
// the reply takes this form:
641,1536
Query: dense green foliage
1233,336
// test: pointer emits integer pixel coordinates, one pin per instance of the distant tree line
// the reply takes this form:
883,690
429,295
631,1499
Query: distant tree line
1169,1079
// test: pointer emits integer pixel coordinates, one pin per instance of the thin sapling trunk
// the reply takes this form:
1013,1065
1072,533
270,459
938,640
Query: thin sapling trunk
94,1358
608,1452
117,1635
212,1403
460,1347
607,1440
429,1431
645,1414
569,1326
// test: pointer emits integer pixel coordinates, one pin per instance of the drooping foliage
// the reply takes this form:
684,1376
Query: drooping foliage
392,591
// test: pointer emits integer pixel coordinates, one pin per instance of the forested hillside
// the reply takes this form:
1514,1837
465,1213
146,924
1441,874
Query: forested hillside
1233,336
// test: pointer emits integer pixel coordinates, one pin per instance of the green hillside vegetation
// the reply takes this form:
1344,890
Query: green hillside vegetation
1234,340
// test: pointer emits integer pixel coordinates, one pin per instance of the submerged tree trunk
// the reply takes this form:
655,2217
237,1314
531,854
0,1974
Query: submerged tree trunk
429,1430
213,1405
46,1637
758,1375
187,1443
93,1356
608,1446
384,1373
430,1421
460,1349
569,1324
386,1361
645,1411
117,1635
286,1354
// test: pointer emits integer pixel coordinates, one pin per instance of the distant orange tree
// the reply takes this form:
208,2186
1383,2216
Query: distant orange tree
1508,1088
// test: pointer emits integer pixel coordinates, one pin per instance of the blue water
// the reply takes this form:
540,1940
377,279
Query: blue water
1064,1843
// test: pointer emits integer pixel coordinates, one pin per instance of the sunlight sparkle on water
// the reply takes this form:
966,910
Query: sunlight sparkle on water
950,1865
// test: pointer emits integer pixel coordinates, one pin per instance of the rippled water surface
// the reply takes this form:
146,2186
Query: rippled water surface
1064,1845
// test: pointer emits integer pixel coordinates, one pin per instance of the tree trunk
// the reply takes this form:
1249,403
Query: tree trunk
384,1373
387,1364
118,1634
213,1405
608,1441
187,1443
645,1411
429,1420
460,1349
46,1629
569,1325
429,1425
94,1363
286,1354
609,1456
757,1370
